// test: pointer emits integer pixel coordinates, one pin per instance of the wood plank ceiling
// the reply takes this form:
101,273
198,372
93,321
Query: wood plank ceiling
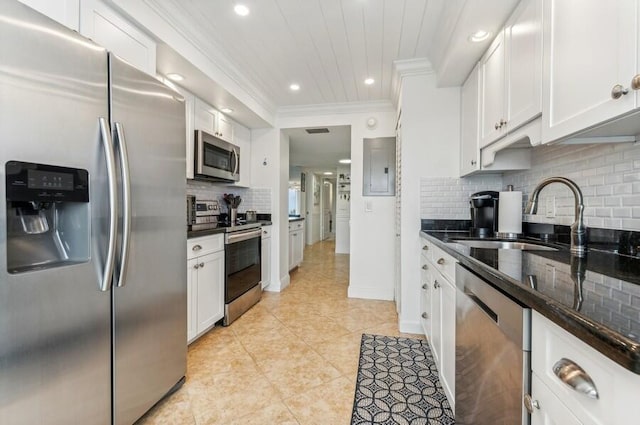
328,47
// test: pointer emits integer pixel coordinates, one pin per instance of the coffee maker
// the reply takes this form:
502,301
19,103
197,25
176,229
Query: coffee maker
484,214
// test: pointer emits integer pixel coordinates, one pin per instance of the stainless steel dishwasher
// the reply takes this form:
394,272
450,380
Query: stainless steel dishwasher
493,354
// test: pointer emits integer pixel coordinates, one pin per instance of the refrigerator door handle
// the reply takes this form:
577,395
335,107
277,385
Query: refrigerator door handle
107,272
126,204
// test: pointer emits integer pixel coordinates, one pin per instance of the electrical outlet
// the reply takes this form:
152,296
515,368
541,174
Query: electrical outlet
550,210
550,274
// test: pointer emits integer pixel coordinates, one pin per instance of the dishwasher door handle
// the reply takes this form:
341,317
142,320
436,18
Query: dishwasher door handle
477,301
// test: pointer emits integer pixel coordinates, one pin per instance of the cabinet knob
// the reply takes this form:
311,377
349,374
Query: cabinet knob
441,261
201,265
503,122
196,248
496,126
473,162
425,316
197,266
618,91
425,248
635,82
574,376
425,267
425,287
530,403
436,284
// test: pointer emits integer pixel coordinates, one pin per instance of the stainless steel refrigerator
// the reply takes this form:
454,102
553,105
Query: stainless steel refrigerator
92,230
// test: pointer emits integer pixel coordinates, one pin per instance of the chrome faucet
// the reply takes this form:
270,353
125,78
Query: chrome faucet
578,229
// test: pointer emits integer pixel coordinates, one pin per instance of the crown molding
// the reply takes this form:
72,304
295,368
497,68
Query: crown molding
335,109
407,68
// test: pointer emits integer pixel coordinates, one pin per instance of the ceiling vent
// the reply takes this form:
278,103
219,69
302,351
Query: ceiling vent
316,130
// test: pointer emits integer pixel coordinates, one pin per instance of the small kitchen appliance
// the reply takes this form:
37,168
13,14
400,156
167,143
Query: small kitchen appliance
484,214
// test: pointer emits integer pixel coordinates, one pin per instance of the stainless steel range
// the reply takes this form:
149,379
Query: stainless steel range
242,251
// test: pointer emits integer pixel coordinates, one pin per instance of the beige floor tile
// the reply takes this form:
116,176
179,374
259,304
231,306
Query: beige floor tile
174,410
343,353
274,414
330,403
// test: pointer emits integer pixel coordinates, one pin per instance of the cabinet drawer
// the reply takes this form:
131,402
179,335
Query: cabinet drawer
617,387
295,225
444,263
266,232
204,245
426,249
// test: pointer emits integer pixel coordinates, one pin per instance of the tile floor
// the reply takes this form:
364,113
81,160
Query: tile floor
291,359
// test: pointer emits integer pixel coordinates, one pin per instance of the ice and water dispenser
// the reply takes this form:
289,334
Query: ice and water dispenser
48,217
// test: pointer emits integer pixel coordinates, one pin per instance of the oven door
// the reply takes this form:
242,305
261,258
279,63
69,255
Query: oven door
242,263
216,159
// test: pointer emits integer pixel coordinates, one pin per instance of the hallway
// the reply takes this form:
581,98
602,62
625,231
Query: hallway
291,359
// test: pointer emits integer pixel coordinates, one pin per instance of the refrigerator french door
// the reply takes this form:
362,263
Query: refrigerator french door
92,287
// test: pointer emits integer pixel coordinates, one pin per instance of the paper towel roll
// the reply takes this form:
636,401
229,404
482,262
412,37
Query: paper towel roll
510,212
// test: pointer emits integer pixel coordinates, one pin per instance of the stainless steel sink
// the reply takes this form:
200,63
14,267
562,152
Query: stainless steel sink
525,246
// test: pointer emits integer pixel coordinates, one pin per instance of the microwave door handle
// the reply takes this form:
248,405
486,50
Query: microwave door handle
237,161
126,204
107,272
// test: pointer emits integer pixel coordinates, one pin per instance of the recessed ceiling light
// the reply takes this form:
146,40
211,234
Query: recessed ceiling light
241,10
369,81
227,110
328,173
175,77
345,161
478,36
294,87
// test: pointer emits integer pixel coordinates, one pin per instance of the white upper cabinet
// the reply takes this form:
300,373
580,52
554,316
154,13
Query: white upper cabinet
510,73
224,128
212,121
66,12
590,58
469,149
109,29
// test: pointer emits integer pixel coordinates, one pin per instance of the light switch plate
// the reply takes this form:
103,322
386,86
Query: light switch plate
550,210
368,206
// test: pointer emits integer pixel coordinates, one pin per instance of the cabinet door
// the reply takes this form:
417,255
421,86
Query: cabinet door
523,59
242,138
266,262
469,149
205,117
425,299
210,299
447,294
66,12
292,244
492,97
436,317
550,409
224,128
589,47
192,299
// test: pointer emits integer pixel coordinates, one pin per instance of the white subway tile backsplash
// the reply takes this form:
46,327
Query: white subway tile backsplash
258,199
448,198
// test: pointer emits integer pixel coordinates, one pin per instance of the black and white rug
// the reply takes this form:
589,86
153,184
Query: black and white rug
398,384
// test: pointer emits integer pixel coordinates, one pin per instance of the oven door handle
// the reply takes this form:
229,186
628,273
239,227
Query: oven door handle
230,238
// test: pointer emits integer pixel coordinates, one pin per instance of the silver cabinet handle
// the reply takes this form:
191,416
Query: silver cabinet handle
574,376
196,248
503,122
530,403
496,126
197,266
425,316
618,91
425,286
425,248
473,162
425,267
436,284
109,263
441,261
635,82
126,204
201,265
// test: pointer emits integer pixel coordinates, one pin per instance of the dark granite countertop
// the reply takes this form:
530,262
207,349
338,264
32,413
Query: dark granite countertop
596,298
295,219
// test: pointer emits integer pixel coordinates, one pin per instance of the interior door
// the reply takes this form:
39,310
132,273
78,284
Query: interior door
55,360
150,310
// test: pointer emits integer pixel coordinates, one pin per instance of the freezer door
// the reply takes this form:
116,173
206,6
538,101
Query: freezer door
55,339
150,309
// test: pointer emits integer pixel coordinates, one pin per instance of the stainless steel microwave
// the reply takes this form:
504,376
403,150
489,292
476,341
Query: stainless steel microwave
216,159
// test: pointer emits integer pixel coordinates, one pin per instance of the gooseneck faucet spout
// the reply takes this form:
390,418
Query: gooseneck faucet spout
578,229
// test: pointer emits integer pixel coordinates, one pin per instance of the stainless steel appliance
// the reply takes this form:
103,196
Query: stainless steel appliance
493,354
484,214
92,241
216,159
202,214
242,270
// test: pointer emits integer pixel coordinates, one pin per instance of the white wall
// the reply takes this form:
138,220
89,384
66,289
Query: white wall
372,234
430,147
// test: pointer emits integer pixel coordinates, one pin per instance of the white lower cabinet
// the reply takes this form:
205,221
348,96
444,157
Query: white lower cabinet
296,243
554,349
265,259
205,284
438,312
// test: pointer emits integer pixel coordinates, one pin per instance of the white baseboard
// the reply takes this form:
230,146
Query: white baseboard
279,286
410,327
370,293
